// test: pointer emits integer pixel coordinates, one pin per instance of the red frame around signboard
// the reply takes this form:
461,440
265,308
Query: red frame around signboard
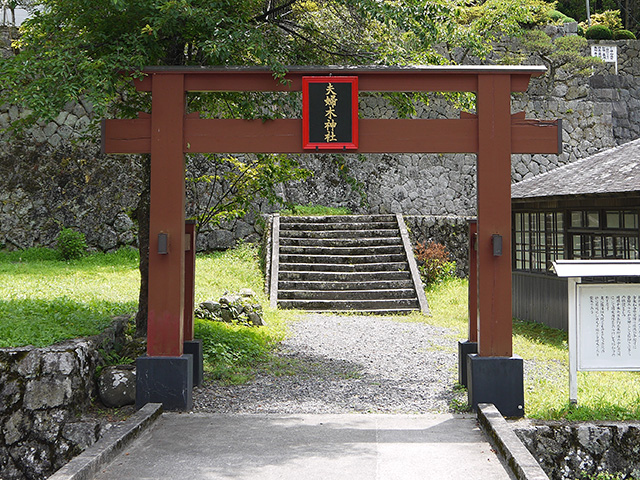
306,143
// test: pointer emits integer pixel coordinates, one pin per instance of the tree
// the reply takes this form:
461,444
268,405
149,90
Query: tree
72,49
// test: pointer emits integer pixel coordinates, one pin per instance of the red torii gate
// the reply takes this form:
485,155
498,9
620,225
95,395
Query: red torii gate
166,374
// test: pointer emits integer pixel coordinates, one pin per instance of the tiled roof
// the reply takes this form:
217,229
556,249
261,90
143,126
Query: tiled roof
610,171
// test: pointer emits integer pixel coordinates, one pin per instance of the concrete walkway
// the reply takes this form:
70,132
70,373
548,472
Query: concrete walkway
308,447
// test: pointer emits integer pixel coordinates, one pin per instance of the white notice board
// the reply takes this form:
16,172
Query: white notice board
607,53
608,327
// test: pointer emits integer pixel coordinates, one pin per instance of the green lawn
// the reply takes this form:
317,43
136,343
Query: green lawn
45,300
601,395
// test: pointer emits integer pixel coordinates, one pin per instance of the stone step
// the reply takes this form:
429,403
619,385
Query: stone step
406,293
340,242
344,285
346,305
341,276
339,226
338,219
341,234
342,251
347,259
340,267
345,263
372,311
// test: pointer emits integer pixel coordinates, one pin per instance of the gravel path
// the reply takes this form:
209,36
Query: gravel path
348,364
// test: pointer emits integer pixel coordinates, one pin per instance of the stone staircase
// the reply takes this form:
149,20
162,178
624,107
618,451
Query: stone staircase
360,263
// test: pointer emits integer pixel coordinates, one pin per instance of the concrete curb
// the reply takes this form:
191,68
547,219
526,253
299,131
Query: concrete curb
519,460
87,464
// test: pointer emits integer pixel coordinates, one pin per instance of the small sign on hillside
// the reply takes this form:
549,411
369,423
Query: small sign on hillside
607,53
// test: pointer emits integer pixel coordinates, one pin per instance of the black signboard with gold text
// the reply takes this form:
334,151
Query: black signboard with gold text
330,113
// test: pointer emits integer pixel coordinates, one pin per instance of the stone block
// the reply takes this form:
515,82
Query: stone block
50,129
497,380
61,118
54,140
465,348
47,393
166,380
47,424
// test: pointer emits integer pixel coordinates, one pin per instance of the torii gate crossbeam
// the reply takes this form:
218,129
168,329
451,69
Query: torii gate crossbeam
493,134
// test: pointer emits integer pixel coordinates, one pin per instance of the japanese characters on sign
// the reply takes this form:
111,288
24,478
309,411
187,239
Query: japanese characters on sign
330,113
609,327
607,53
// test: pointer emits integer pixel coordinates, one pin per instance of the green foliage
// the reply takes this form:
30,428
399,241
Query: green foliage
559,17
116,356
224,188
623,35
486,22
598,32
229,271
564,53
71,49
606,476
71,244
41,322
609,18
230,351
36,254
44,300
434,262
314,210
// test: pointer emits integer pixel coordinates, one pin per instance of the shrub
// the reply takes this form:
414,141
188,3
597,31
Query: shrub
71,244
556,15
609,18
598,32
434,262
560,17
623,35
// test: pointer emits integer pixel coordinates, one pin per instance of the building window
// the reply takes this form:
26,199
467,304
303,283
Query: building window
539,240
604,234
543,237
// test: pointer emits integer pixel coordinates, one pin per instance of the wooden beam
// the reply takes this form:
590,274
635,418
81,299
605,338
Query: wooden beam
536,136
126,135
285,136
376,136
436,78
165,327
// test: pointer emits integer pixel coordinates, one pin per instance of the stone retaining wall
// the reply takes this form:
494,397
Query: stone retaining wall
574,451
451,231
42,393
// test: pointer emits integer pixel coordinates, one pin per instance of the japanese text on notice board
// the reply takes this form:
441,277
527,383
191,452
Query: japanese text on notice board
609,327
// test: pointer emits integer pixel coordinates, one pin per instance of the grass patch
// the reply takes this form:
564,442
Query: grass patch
233,352
44,300
314,210
229,271
607,396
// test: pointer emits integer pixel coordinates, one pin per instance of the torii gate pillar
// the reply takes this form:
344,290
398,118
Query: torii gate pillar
493,375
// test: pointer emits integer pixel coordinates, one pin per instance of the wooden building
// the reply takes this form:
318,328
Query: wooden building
585,210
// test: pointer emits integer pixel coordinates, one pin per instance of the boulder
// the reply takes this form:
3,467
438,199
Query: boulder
117,385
